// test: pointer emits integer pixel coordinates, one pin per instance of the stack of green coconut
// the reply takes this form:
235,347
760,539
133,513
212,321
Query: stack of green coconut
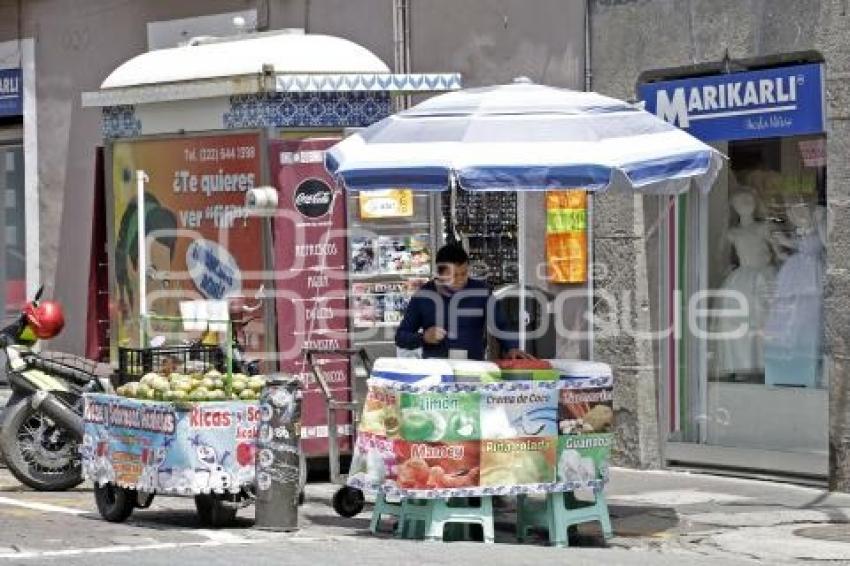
179,387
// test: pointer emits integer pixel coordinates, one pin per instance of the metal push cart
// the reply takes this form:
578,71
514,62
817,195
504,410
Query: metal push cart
347,501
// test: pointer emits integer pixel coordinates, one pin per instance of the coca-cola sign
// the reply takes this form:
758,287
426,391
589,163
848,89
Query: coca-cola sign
313,198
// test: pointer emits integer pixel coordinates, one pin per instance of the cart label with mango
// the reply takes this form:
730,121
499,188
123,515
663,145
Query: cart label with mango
472,439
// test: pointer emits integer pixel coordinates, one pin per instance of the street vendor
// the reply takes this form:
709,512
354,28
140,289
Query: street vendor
447,317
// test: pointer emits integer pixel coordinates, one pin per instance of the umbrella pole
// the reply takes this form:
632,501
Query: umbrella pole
520,205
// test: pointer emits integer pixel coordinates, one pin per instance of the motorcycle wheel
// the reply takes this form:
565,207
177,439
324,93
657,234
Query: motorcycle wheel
38,453
213,512
115,504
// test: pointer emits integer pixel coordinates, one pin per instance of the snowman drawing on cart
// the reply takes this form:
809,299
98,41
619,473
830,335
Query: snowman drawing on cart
96,457
154,473
210,473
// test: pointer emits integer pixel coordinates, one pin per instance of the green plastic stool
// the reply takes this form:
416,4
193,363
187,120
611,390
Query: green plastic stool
384,508
558,513
433,519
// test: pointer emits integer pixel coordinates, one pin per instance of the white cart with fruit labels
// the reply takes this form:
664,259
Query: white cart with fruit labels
182,424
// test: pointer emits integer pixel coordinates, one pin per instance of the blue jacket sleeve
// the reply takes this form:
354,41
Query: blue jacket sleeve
408,335
507,344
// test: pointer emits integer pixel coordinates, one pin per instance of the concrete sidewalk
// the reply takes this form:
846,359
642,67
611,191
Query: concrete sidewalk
730,518
659,517
704,516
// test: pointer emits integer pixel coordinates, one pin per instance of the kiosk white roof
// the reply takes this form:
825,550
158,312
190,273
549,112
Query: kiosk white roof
286,53
264,62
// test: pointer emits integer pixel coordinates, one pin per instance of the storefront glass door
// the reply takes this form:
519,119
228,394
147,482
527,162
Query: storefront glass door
745,377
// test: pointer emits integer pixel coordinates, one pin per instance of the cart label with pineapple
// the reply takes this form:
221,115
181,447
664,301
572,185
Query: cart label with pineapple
455,440
167,447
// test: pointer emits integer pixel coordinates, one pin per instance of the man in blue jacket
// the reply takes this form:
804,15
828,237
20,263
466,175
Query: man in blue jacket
448,317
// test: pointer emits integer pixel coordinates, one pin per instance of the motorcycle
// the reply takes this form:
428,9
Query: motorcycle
42,424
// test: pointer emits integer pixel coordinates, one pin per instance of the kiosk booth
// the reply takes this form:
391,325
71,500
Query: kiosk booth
201,125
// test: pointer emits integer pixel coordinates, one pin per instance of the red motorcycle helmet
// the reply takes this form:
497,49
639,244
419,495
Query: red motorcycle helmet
46,319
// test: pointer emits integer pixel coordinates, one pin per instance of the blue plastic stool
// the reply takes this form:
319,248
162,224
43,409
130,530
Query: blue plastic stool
384,508
429,518
558,513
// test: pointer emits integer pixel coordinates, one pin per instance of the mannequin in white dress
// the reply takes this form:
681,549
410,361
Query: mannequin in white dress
740,338
794,330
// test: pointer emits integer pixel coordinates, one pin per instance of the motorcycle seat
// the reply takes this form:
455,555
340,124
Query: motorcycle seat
69,366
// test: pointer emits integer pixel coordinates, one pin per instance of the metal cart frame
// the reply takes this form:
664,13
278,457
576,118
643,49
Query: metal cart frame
347,501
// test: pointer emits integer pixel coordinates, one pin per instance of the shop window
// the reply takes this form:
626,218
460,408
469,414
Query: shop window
14,236
766,259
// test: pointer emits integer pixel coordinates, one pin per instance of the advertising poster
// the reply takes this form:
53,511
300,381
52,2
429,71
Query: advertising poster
391,255
465,439
389,203
310,278
382,303
518,461
438,417
152,446
586,411
437,465
513,414
584,457
201,243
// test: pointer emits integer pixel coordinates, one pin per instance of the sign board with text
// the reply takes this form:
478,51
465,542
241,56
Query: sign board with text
201,243
311,278
783,101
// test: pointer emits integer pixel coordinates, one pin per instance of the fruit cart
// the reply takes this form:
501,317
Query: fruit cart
433,430
181,424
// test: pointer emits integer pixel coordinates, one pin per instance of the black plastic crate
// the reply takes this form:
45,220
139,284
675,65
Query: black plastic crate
133,363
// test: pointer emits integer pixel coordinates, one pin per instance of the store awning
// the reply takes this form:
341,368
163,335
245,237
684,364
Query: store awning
267,62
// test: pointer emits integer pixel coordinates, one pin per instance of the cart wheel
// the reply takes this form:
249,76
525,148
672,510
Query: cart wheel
213,512
115,504
143,501
348,502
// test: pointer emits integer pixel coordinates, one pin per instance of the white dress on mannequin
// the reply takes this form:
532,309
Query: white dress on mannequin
794,331
753,281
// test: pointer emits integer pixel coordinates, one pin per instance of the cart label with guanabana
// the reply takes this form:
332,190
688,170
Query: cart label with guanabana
583,458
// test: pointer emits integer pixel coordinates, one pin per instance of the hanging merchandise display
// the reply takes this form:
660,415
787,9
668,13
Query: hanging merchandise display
566,236
488,223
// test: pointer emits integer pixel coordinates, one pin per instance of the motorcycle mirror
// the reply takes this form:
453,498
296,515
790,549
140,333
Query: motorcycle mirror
38,293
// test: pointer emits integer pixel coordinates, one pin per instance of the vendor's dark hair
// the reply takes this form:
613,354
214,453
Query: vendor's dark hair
452,253
159,221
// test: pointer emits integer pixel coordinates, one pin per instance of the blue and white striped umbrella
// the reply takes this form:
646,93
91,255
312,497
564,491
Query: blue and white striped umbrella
523,136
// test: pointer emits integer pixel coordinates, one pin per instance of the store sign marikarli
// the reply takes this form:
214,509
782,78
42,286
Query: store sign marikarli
783,101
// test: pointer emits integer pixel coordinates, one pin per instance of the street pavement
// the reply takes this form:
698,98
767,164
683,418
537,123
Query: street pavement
659,517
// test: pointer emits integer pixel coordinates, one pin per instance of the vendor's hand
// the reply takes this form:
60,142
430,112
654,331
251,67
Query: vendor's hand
434,335
517,354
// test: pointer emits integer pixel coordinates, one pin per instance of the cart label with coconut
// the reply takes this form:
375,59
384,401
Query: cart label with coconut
477,439
169,440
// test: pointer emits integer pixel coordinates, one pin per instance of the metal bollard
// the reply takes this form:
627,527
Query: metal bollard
278,454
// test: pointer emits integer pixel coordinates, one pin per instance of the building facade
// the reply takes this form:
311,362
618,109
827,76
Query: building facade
56,50
738,296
